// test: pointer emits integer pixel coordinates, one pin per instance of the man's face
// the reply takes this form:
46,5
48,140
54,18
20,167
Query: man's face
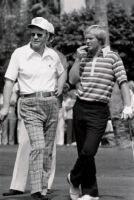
92,42
39,38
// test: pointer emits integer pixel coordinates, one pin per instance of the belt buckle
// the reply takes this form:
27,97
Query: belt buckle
51,93
39,94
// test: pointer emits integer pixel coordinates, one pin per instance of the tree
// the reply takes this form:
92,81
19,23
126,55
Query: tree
90,4
101,15
8,14
24,12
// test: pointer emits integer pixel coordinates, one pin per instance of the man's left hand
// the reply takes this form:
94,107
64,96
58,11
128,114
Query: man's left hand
58,92
127,112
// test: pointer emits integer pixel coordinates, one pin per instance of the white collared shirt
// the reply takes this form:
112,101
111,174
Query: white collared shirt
33,71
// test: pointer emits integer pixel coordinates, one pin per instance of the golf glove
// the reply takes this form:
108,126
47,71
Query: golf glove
127,112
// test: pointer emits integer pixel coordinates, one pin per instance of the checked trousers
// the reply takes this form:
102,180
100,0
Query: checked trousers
40,115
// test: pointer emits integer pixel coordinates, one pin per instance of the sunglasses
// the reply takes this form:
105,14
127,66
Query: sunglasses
39,35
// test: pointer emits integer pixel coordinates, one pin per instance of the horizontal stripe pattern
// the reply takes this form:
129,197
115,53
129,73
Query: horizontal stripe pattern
98,87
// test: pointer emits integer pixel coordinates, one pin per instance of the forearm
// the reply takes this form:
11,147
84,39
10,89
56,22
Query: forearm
74,73
125,94
61,81
7,92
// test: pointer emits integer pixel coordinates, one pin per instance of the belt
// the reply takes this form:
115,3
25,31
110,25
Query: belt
38,94
91,102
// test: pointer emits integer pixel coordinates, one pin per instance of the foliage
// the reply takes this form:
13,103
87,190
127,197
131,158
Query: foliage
121,28
70,27
12,30
69,30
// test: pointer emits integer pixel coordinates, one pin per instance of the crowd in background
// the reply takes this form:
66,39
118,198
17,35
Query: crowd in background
118,130
8,129
116,133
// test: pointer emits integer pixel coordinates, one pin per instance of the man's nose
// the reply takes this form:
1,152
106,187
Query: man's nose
35,35
87,40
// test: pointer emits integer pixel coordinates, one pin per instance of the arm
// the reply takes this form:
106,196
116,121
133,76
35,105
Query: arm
127,111
121,77
6,98
61,81
74,73
125,94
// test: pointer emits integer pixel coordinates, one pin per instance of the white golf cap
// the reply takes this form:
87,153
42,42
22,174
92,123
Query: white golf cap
40,22
51,28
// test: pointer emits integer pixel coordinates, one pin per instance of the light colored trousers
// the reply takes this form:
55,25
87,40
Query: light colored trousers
60,128
21,167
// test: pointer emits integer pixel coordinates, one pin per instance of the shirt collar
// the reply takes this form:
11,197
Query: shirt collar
105,50
47,52
29,51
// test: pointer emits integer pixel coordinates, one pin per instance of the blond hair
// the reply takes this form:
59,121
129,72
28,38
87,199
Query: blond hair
98,31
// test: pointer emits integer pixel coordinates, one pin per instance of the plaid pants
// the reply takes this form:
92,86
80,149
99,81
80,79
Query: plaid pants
40,116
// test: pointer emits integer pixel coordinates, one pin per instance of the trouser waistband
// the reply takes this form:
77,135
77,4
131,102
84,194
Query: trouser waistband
38,94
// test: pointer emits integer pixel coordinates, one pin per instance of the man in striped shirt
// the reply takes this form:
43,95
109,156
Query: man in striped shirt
94,73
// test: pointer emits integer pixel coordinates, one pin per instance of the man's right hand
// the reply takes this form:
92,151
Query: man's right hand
3,113
82,51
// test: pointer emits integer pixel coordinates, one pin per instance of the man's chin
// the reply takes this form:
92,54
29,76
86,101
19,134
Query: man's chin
35,46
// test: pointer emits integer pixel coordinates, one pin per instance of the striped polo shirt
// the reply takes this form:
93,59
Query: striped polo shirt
97,76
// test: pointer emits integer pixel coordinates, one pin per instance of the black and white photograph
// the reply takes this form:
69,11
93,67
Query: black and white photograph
66,100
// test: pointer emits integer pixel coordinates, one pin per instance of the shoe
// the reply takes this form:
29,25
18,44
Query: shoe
12,192
36,196
73,191
88,197
73,144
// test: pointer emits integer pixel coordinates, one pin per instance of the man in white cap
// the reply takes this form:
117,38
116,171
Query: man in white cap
21,166
41,78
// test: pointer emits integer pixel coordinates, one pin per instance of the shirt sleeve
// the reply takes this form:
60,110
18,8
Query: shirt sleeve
59,66
119,69
12,69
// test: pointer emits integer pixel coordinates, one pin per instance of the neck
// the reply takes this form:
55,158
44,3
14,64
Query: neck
39,50
95,52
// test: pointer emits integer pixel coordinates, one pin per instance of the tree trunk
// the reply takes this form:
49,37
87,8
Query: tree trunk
56,5
68,6
9,13
90,3
24,15
101,15
14,19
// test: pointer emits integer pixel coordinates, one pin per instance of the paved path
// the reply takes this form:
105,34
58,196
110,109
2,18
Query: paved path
115,172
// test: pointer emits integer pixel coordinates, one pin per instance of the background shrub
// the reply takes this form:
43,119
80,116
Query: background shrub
69,30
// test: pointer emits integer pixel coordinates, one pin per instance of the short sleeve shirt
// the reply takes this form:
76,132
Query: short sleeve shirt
97,86
33,71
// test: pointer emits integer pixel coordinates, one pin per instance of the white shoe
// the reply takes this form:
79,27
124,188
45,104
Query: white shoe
73,191
88,197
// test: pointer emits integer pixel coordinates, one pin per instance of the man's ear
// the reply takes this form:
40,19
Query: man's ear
48,35
101,43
